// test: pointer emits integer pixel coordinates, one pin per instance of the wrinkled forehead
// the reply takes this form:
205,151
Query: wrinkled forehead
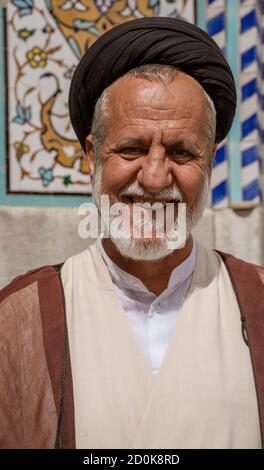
129,83
133,93
169,104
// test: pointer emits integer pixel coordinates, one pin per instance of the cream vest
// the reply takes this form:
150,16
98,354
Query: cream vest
204,395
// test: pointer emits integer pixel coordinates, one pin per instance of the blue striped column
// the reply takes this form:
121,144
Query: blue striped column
216,27
250,42
219,180
215,21
261,6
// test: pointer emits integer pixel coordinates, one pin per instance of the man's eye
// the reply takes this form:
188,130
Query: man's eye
180,154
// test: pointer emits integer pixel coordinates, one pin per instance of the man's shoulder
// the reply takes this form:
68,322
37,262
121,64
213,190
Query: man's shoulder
232,260
44,275
244,274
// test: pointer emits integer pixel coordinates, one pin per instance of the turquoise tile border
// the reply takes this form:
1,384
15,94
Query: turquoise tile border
22,199
201,14
232,26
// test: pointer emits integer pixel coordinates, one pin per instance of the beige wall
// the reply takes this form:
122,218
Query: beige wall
32,237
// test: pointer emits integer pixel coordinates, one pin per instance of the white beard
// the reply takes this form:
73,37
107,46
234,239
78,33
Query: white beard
143,249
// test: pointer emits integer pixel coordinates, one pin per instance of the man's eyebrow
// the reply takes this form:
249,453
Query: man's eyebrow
143,142
128,141
182,145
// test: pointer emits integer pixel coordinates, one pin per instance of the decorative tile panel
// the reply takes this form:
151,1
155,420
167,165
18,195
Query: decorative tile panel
44,42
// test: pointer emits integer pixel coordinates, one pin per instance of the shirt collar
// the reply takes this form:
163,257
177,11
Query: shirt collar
124,280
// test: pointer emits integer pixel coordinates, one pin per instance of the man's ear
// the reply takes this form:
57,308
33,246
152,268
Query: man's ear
215,147
212,157
89,150
214,150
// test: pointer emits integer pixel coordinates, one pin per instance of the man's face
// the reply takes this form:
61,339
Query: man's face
156,141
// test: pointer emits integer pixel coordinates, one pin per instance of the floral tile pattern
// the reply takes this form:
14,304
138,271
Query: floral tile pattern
44,41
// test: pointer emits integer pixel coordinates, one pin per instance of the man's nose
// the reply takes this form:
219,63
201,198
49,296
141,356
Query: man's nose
155,173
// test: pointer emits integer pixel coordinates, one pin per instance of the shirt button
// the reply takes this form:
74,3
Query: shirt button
157,308
150,313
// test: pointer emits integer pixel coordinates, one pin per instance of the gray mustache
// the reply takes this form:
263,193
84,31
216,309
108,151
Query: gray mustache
166,193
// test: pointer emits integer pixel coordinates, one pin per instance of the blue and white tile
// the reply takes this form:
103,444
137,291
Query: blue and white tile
215,22
250,171
219,179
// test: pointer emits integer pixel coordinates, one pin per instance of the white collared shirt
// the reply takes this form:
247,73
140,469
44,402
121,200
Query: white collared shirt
152,317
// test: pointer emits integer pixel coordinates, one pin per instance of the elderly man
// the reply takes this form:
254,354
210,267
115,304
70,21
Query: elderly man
132,343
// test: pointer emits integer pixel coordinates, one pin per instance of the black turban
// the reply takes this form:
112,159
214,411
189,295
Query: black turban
157,40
